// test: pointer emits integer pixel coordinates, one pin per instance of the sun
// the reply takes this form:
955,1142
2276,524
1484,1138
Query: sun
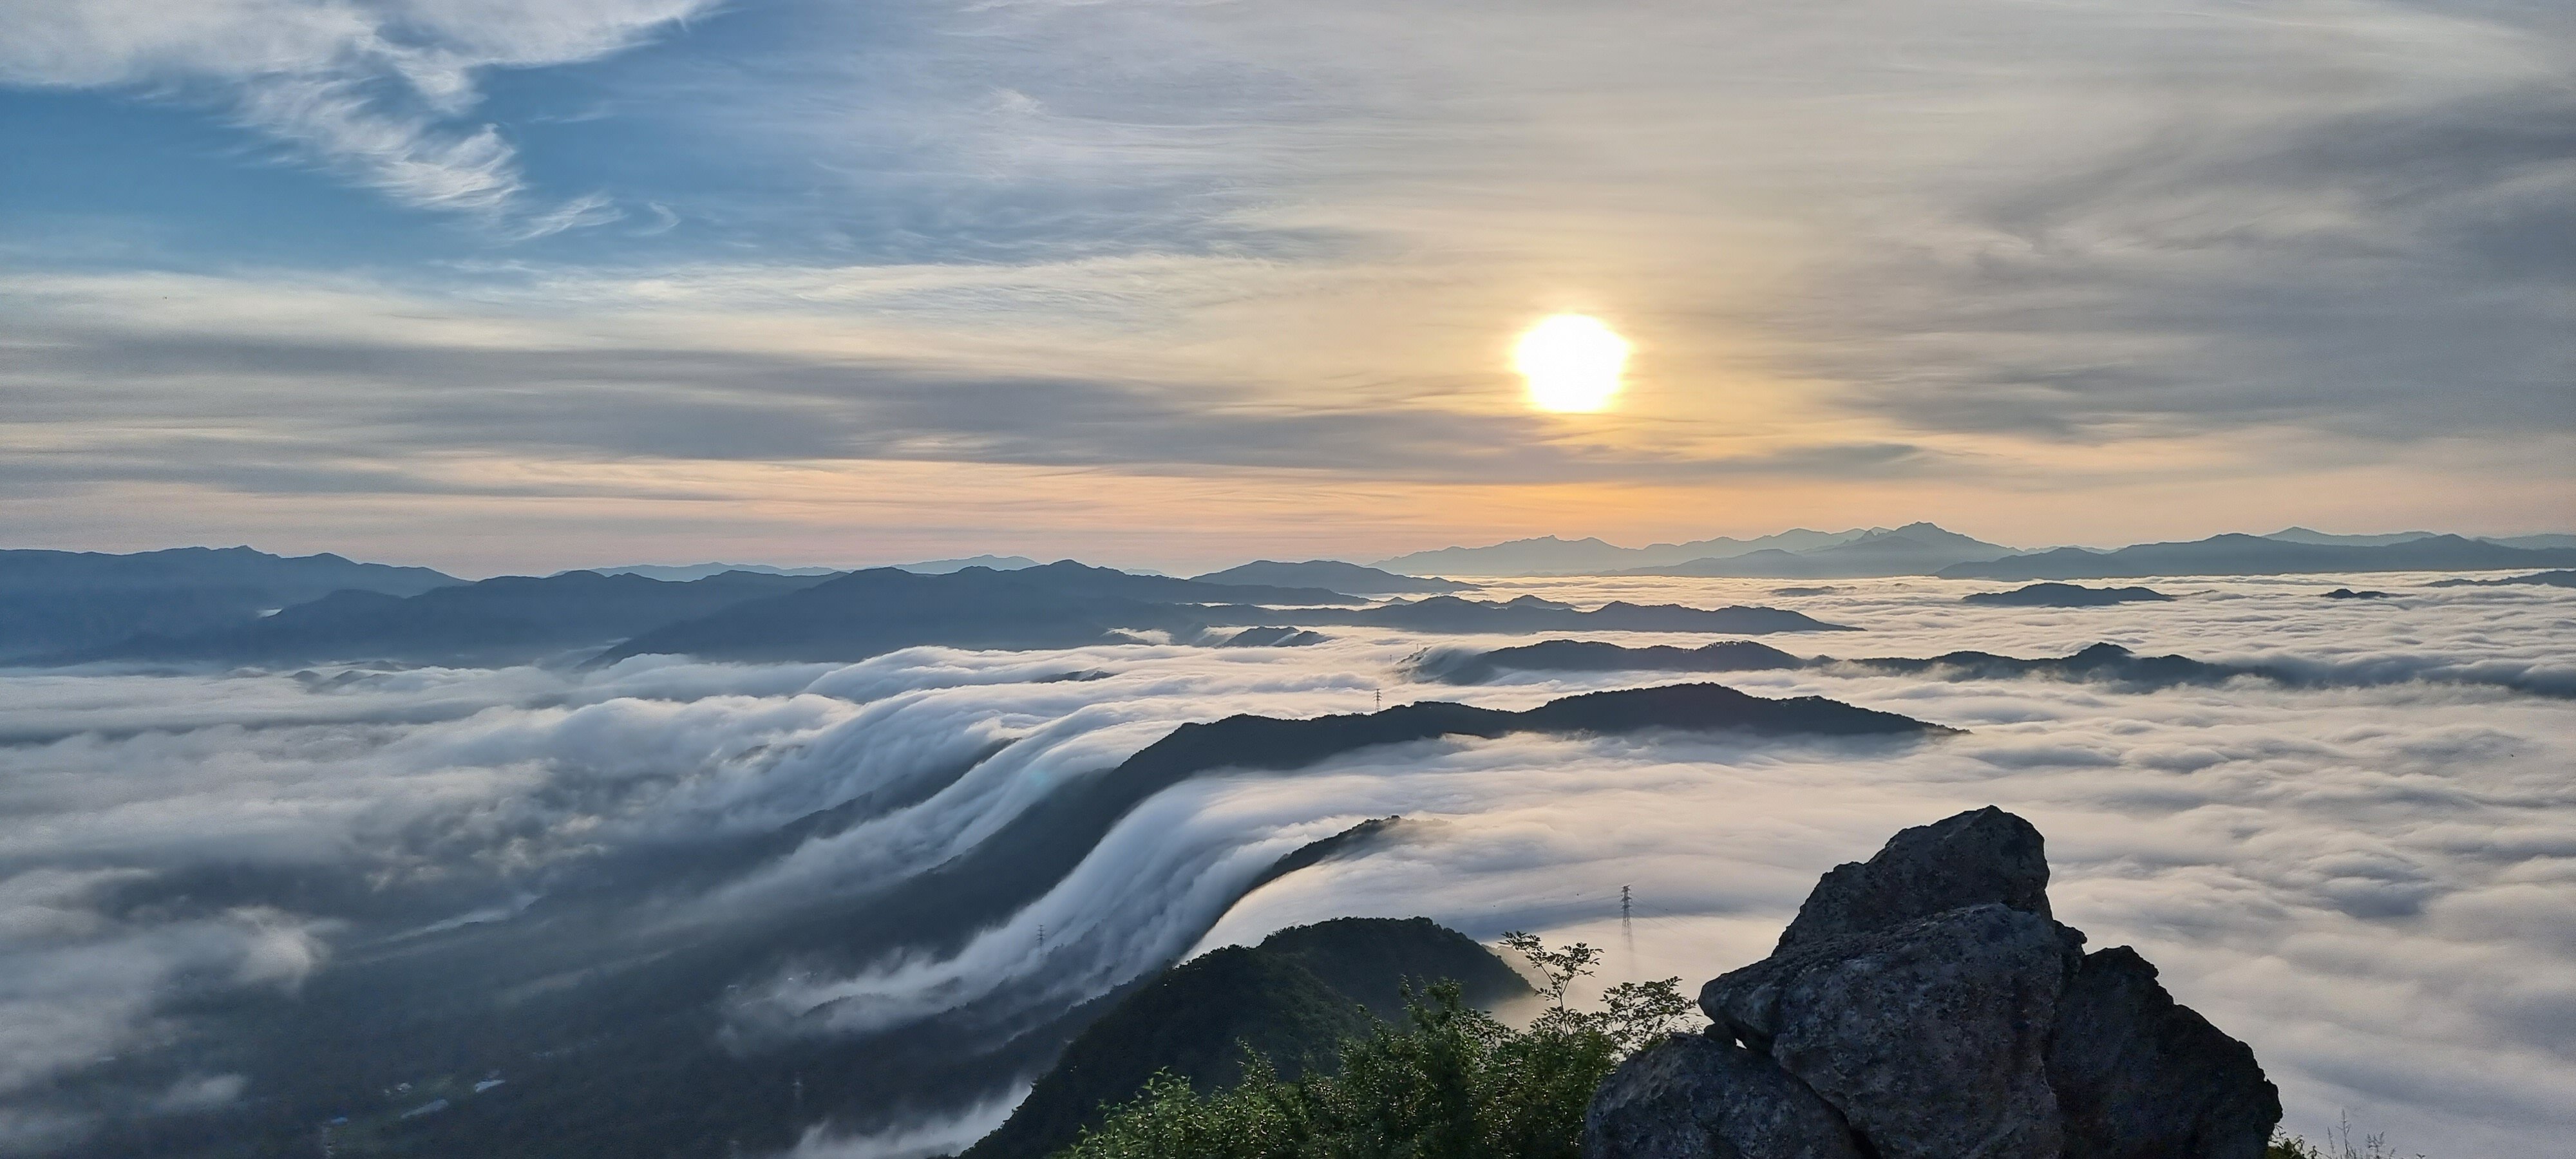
1572,362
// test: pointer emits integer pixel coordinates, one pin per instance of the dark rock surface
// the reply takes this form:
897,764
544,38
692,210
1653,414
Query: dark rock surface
1695,1097
1928,999
1986,855
1961,1068
2139,1075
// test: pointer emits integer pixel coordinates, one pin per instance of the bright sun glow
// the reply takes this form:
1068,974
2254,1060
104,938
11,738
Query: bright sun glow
1572,363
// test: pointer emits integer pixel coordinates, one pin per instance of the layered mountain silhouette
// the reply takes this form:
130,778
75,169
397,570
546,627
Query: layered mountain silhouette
684,572
1914,549
2101,663
2548,579
868,613
1532,614
1332,574
2057,595
1549,555
2326,539
945,566
2306,535
67,601
1928,549
2261,555
1463,667
754,616
504,620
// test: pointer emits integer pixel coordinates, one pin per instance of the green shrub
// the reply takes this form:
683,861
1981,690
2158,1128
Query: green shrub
1448,1082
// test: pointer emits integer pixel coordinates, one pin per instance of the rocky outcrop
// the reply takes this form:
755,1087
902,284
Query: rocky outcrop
2140,1076
1930,1006
1986,855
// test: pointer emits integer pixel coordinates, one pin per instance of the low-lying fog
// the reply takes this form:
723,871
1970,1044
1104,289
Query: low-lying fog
2374,884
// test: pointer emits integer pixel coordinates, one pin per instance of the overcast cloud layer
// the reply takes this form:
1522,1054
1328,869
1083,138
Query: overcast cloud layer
2371,885
1135,275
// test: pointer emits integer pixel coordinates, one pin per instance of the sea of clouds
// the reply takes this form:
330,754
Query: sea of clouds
2372,880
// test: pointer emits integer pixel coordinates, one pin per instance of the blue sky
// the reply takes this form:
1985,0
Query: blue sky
503,285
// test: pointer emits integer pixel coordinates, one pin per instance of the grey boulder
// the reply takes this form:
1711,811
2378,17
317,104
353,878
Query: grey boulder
1926,1005
2140,1076
1985,855
1930,1037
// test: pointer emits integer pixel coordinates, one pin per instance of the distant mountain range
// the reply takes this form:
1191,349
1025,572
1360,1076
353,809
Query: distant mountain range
238,605
2102,663
1928,549
1068,605
754,616
945,566
2304,535
1914,549
2263,555
2551,579
1532,614
1332,574
504,620
685,572
867,613
1549,555
62,601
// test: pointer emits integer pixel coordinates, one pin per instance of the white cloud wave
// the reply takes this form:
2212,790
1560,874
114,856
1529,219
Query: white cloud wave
2372,885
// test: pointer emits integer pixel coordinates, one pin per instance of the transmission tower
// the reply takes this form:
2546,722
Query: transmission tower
1628,927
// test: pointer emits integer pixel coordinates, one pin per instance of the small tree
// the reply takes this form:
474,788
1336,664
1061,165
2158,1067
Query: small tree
1638,1013
1560,967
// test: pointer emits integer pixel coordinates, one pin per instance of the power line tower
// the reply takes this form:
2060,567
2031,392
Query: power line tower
1628,927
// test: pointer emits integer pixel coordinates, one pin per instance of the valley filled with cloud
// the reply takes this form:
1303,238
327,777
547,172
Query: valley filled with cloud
210,878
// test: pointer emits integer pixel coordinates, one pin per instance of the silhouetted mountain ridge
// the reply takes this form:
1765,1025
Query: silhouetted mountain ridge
2057,595
2221,555
1914,549
1531,614
2104,663
506,619
1331,574
68,601
1549,555
867,613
